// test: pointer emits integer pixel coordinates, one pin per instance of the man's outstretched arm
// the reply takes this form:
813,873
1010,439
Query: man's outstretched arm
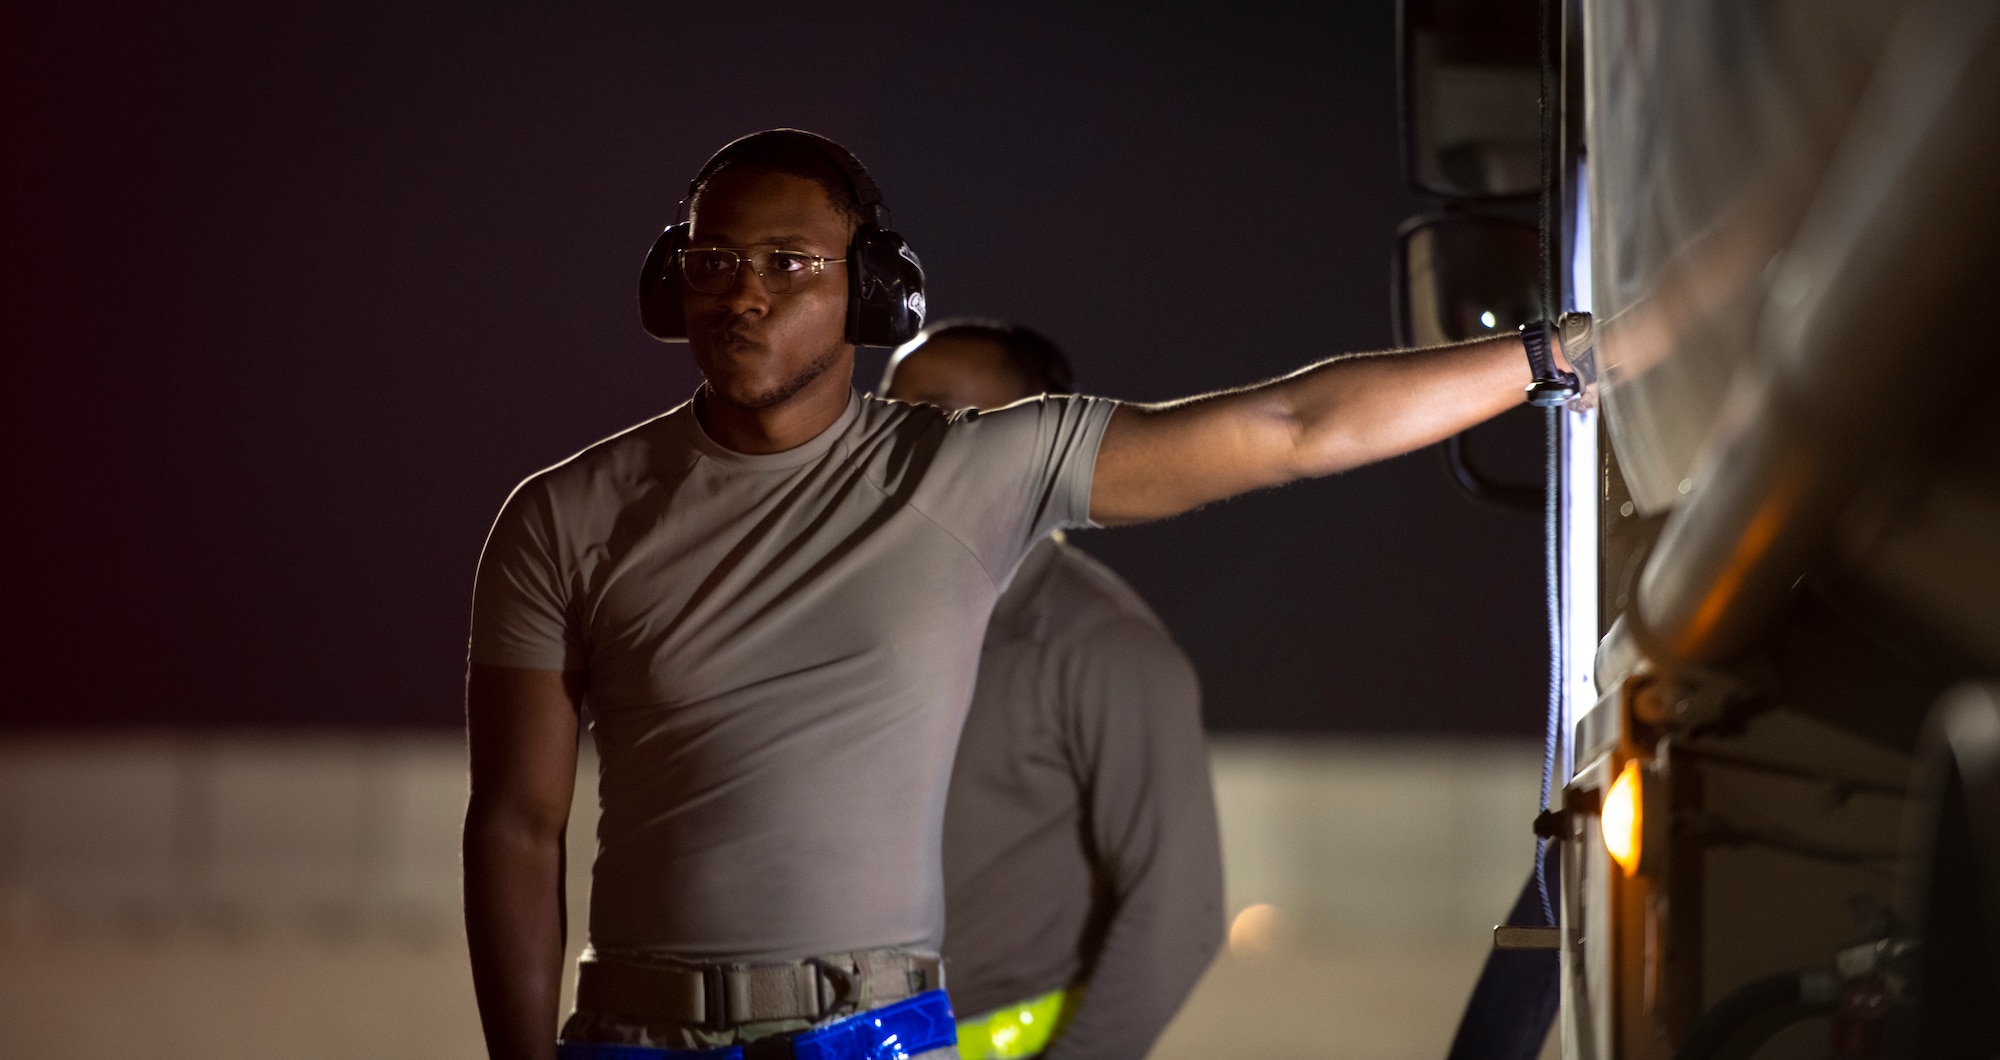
521,727
1162,460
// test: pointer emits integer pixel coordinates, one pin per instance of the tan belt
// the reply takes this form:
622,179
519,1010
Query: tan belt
720,996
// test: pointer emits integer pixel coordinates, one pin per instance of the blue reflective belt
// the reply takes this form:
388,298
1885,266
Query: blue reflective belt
905,1029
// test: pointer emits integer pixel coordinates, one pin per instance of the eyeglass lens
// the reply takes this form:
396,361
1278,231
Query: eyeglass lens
712,270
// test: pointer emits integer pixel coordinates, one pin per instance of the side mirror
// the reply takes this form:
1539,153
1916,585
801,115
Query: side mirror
1463,277
1471,97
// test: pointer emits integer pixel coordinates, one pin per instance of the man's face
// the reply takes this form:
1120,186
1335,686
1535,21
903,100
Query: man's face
756,348
957,372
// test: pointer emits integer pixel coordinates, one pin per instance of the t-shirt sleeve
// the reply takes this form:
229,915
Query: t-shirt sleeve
1008,478
520,599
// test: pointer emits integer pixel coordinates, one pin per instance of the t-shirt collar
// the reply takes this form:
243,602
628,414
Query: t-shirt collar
803,453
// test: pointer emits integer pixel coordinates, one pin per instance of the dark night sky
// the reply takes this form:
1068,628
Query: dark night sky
294,298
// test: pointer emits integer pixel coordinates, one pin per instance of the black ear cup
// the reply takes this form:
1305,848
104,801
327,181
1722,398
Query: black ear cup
660,309
885,303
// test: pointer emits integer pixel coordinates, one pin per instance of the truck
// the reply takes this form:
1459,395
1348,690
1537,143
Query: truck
1772,821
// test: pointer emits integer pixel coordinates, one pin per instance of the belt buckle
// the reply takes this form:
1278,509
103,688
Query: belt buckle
836,986
714,998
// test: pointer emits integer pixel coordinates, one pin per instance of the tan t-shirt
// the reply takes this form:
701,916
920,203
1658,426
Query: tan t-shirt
779,651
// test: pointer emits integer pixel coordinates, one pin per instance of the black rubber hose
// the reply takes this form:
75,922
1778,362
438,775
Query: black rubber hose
1750,1015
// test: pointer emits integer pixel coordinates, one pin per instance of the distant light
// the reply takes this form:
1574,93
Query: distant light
1257,930
1487,318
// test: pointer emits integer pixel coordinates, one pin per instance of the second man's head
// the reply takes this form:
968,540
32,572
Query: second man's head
982,364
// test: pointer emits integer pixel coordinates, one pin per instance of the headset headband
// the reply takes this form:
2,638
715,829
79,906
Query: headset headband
865,192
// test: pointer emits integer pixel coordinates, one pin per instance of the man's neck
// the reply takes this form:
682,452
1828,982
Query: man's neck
774,428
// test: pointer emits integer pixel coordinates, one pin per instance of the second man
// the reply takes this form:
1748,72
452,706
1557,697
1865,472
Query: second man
1083,872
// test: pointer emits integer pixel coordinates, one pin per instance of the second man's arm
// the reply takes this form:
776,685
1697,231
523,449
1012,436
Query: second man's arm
1135,741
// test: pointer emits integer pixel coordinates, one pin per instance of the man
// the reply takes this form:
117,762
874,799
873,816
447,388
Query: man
771,599
1082,869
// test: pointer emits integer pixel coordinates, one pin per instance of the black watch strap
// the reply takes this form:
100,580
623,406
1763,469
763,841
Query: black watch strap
1552,385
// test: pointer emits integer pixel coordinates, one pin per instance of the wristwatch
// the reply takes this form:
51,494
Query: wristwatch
1552,385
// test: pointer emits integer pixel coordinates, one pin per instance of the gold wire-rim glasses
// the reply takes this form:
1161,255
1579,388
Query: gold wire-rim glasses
777,281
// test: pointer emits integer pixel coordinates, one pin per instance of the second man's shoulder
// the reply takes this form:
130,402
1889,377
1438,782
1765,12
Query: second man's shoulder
1083,594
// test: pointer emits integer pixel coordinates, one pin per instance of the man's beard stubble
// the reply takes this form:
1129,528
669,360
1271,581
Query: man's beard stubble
785,389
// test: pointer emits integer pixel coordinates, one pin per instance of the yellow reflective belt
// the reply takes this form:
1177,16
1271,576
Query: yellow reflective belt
1011,1032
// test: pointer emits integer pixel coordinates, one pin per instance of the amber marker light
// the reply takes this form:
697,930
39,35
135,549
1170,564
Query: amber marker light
1623,818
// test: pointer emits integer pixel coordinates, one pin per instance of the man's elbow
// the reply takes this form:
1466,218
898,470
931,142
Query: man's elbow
496,827
1311,440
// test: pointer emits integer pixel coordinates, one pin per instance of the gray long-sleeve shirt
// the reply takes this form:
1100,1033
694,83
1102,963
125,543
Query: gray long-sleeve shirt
1080,842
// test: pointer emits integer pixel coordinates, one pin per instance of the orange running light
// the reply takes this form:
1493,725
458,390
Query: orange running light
1623,818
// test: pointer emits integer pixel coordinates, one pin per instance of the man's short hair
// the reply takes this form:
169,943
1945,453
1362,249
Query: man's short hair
777,154
1039,360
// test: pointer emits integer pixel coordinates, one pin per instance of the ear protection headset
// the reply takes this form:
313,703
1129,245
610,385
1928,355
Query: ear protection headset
885,282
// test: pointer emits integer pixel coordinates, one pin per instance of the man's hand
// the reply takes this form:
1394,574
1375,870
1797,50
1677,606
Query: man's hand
522,728
1162,460
1576,350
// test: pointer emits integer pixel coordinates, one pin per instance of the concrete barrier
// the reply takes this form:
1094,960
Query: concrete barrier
298,895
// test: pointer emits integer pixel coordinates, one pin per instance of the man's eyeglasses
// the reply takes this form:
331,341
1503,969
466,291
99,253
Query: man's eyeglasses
712,270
